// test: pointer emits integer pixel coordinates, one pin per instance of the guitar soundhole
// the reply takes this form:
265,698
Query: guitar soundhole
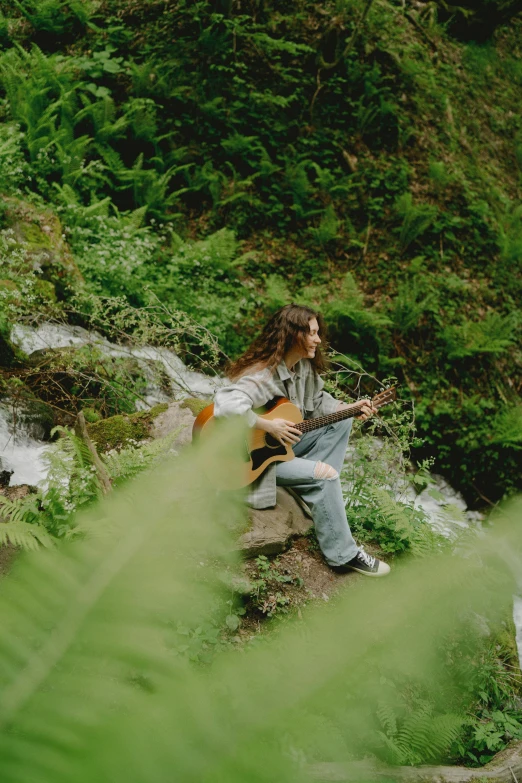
271,442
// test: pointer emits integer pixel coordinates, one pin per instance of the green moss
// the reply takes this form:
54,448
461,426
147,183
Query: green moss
194,405
116,431
34,236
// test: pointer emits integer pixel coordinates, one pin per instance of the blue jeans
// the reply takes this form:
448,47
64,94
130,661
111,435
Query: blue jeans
323,496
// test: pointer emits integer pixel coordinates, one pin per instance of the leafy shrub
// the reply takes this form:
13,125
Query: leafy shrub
494,335
54,20
414,298
376,482
476,19
14,172
416,219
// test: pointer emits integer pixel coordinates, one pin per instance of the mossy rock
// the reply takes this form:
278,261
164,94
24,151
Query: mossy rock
7,352
40,235
194,405
116,431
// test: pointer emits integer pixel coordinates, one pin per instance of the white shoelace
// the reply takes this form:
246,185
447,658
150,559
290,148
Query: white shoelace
366,558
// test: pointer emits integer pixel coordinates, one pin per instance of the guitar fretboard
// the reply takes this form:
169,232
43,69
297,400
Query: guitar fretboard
322,421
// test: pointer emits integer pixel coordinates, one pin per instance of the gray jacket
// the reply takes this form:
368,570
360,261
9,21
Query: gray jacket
303,386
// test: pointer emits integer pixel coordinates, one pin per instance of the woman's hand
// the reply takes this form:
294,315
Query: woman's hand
367,411
282,430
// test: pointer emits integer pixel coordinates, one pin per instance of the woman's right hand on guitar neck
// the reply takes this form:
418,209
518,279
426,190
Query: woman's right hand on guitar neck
282,430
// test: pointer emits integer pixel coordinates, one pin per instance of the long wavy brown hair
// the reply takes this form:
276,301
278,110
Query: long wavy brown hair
286,328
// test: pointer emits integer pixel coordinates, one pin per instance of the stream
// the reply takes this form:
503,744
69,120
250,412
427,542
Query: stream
22,451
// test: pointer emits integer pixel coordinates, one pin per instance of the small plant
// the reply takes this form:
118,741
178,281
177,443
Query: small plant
416,219
267,595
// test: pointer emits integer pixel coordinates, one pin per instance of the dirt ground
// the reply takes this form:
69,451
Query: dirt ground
285,583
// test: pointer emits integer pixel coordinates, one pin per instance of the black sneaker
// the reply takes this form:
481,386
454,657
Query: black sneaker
365,564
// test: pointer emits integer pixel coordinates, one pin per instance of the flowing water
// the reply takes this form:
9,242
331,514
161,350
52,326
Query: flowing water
22,454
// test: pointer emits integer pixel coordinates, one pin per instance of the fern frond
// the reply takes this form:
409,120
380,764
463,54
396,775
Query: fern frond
387,718
24,535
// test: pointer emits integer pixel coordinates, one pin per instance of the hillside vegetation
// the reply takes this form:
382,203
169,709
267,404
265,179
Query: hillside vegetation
228,157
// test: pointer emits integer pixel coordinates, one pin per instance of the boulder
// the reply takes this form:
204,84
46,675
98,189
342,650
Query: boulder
177,418
40,234
269,530
114,432
7,350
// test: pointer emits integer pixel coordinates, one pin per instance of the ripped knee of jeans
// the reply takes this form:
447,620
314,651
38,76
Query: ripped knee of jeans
324,471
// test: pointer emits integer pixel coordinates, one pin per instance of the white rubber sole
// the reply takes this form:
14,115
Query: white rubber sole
384,570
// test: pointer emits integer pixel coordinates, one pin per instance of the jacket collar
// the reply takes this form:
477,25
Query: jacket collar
285,374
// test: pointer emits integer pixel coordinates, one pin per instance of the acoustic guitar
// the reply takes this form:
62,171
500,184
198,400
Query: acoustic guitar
262,449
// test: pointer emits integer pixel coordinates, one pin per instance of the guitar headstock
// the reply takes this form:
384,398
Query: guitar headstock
385,397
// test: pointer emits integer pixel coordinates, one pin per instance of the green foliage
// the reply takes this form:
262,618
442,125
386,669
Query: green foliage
328,146
13,167
506,427
376,484
494,335
265,594
416,219
412,301
72,484
328,227
20,524
71,378
418,735
476,19
131,460
55,17
111,609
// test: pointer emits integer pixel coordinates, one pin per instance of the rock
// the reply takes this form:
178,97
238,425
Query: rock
271,529
115,431
5,477
40,233
7,351
178,417
28,415
37,418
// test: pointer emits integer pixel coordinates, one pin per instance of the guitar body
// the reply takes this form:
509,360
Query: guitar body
261,449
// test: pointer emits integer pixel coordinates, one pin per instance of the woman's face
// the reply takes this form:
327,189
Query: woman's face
312,339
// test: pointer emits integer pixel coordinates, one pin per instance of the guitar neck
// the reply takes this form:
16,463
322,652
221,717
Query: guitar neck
346,413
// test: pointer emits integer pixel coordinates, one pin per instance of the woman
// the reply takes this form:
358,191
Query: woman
285,360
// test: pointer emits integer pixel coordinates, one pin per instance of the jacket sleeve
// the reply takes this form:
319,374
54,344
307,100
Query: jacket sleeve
238,399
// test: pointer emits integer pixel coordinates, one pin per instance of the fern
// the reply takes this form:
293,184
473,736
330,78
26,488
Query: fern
95,685
328,227
19,523
410,304
415,735
494,335
128,462
25,535
408,528
416,219
506,428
